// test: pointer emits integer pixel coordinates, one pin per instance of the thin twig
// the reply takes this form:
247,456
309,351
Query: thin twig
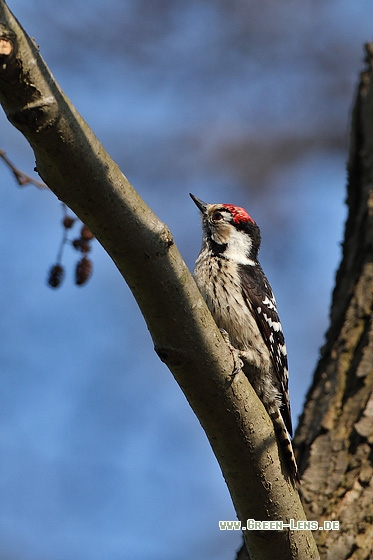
22,178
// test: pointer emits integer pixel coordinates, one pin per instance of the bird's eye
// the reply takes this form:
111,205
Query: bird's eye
217,216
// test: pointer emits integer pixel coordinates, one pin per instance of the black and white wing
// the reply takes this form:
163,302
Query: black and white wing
257,290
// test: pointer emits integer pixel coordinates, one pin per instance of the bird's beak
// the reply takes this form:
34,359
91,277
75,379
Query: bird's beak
201,205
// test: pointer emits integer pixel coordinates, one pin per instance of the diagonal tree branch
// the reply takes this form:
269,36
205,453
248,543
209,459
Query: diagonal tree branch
78,170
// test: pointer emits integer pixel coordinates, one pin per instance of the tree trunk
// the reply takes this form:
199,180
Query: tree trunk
335,434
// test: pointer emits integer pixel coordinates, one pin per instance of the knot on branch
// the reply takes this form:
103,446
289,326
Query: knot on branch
166,239
7,41
171,356
26,95
36,115
6,47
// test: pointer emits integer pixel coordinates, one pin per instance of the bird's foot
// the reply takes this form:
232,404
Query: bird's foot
238,363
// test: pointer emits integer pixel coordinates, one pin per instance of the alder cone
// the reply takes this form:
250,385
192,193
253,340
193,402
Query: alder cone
85,233
68,222
56,276
83,271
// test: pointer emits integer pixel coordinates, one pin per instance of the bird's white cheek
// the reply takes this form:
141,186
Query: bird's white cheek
239,248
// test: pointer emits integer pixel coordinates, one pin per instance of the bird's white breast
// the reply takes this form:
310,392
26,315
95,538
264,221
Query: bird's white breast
218,281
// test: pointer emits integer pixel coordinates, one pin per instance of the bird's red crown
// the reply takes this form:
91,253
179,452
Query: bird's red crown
239,214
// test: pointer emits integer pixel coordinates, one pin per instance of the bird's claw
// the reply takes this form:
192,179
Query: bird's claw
238,363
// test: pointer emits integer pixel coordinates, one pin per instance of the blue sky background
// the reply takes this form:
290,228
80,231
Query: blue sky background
246,102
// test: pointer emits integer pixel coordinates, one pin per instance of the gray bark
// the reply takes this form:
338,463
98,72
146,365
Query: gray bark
334,439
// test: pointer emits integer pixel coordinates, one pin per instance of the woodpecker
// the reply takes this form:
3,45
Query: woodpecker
240,298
